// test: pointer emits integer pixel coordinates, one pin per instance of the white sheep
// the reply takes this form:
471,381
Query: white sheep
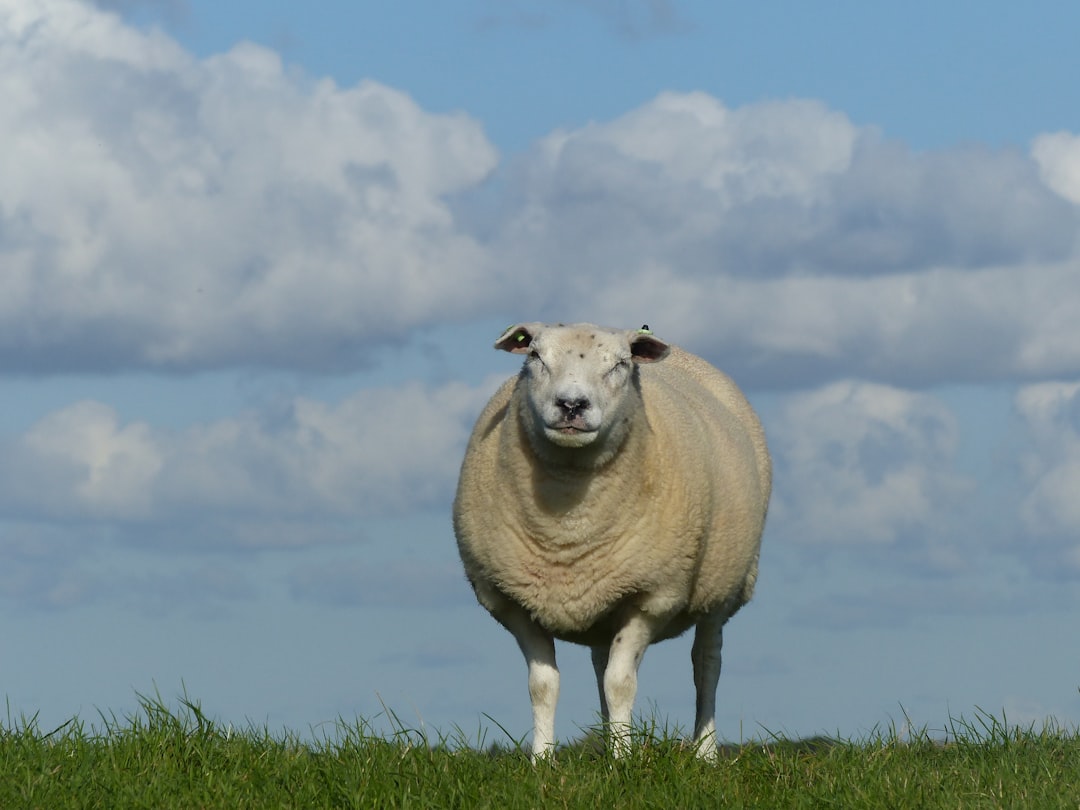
612,500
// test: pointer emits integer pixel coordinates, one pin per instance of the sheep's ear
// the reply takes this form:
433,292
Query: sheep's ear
518,338
644,348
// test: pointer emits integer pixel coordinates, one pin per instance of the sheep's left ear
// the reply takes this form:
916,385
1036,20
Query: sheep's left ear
644,348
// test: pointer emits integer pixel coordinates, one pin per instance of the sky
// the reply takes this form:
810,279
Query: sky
254,257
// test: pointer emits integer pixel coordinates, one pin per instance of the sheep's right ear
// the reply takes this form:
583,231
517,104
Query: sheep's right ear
518,338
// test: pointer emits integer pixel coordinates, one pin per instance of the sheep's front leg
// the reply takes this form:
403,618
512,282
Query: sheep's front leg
620,676
538,647
705,655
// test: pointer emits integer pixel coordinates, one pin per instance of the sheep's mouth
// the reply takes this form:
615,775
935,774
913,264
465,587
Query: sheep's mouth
571,434
572,427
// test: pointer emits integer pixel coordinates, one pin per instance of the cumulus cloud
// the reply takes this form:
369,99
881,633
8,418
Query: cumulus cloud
164,211
83,487
1050,464
258,479
795,247
860,464
782,188
914,329
1058,157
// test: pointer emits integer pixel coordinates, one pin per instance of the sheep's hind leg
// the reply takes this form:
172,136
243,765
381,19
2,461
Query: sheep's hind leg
705,655
599,663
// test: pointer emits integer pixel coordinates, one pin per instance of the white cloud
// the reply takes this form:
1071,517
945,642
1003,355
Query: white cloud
779,188
915,329
162,211
794,247
659,185
1058,157
381,451
1050,462
867,465
783,150
167,212
111,466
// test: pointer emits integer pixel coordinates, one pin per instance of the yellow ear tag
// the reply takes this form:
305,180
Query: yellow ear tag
644,330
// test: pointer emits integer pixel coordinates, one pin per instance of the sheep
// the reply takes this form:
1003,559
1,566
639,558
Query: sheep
612,494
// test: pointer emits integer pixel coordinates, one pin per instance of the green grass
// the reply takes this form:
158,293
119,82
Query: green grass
160,758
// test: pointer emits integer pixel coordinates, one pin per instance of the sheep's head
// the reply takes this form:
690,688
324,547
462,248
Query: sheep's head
580,381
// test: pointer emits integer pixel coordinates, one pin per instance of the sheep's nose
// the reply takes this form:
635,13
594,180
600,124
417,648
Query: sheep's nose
572,407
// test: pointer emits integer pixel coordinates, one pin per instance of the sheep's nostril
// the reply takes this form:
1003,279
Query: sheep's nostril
572,407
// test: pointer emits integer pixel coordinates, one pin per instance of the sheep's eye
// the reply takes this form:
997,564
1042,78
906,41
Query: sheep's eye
622,365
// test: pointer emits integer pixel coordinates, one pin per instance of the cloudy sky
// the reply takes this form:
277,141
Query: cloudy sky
253,258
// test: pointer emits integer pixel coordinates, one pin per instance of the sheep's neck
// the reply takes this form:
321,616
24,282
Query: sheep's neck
563,501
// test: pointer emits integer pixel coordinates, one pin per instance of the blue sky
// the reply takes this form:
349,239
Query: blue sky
254,257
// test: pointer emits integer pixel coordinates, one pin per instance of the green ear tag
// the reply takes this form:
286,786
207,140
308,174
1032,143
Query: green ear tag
644,330
520,338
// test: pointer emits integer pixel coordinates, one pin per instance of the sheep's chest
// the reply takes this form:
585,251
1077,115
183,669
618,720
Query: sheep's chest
571,547
569,593
570,572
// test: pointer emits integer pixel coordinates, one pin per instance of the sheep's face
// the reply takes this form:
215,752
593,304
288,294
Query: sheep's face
580,381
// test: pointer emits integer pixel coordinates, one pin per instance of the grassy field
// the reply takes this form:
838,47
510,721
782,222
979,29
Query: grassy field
161,758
